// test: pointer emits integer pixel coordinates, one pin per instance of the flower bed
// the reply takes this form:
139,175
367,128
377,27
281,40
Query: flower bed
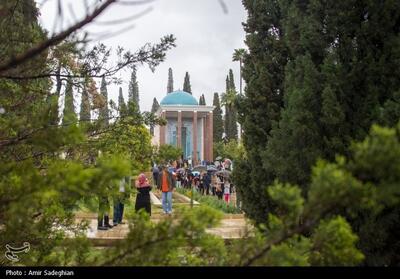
211,201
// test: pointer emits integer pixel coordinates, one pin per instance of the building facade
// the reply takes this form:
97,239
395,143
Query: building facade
189,126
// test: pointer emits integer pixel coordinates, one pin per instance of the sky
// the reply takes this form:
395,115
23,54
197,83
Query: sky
206,37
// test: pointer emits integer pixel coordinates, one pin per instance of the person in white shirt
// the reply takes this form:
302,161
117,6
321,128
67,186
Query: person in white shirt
227,190
119,201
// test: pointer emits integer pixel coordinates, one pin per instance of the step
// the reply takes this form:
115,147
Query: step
154,200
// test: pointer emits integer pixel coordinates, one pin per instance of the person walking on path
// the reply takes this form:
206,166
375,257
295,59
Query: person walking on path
156,173
179,180
219,186
227,190
207,182
119,201
213,184
166,184
103,222
143,196
201,183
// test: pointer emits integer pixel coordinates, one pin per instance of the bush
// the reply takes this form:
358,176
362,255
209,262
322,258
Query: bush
211,201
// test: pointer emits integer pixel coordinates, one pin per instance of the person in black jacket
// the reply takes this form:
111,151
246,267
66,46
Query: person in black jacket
207,182
156,173
143,195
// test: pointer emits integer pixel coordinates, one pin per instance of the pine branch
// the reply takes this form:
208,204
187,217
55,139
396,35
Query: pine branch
54,40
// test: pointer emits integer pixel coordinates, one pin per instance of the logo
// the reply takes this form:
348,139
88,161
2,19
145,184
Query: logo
11,251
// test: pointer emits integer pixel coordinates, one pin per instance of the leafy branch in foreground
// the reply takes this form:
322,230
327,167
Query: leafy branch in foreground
344,199
173,241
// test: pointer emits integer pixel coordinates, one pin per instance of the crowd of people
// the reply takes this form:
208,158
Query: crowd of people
210,180
207,179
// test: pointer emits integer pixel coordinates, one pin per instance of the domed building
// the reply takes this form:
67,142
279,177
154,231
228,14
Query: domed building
189,126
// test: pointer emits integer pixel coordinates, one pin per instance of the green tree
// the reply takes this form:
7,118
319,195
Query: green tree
224,101
338,111
104,113
319,87
170,242
202,100
133,90
294,147
84,114
346,217
232,150
154,109
32,145
218,124
308,231
390,111
314,99
228,100
186,84
259,108
170,86
166,153
375,161
31,167
155,105
121,103
52,102
69,114
232,85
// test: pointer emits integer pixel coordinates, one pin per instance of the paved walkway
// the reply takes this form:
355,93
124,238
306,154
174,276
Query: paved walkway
232,226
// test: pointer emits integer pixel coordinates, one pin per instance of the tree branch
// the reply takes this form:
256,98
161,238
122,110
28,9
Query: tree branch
38,49
284,237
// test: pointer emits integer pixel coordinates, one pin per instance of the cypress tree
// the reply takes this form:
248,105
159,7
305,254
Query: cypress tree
229,100
318,74
227,117
232,85
121,103
233,110
338,112
155,105
186,84
202,100
52,103
84,114
170,86
227,85
390,112
259,108
154,109
332,128
295,144
69,115
104,113
133,90
218,125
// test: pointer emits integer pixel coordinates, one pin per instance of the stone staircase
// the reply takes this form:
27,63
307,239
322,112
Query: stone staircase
232,226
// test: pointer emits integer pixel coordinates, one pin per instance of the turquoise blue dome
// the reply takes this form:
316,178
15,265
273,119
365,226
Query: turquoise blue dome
179,98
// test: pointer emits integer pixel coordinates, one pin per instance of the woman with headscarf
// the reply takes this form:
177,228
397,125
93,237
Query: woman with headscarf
143,195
